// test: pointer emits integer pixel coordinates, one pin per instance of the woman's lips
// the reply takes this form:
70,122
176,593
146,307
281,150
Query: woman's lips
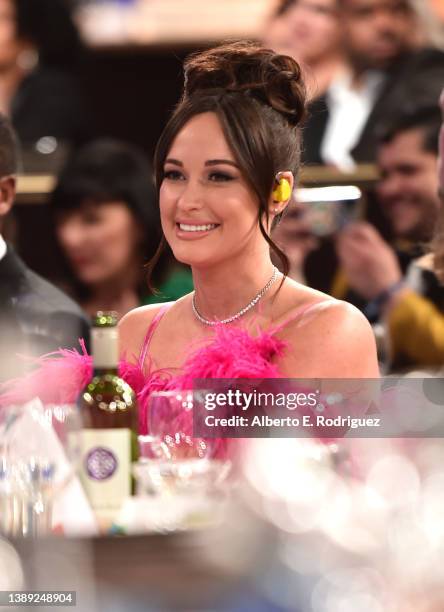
81,262
187,231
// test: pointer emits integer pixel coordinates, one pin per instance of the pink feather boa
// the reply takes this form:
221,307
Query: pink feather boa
59,377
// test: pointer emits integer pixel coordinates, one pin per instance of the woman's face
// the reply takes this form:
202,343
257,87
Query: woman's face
10,45
100,241
308,31
208,211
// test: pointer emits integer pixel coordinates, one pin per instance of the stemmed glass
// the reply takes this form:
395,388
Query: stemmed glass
39,453
179,462
170,422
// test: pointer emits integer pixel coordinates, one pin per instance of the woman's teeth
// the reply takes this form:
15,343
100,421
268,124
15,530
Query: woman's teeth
196,228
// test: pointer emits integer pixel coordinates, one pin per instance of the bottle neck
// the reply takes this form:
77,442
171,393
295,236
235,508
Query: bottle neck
105,371
104,343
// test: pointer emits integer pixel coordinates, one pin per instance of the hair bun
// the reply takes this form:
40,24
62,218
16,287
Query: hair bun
246,67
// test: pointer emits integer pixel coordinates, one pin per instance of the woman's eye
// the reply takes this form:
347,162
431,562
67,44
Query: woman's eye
172,175
220,177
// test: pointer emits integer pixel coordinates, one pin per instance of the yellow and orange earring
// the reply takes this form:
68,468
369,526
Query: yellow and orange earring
282,192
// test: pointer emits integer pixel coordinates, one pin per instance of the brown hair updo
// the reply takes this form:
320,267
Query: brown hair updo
259,99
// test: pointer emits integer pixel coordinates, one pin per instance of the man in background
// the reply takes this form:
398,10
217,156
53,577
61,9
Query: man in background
35,317
409,196
391,67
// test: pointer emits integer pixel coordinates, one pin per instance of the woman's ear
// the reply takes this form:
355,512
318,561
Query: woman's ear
282,191
7,194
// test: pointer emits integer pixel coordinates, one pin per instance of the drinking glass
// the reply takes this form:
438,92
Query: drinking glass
179,463
39,453
170,422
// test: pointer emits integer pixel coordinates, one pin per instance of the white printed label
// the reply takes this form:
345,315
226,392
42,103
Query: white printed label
104,343
105,469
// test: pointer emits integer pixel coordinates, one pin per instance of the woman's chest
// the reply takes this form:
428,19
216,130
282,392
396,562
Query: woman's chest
171,349
222,353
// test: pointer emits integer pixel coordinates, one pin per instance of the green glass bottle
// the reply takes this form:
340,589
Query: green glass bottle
109,411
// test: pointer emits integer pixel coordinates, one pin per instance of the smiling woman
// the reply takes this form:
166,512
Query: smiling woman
225,168
203,196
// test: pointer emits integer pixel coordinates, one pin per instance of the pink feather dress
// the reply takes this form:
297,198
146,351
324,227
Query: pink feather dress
232,353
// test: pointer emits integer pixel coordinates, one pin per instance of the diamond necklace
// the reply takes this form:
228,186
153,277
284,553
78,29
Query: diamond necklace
239,314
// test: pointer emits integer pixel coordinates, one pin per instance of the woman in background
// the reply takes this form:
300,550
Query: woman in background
107,226
310,32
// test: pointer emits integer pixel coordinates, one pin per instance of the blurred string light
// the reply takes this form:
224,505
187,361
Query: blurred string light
414,404
368,539
350,590
283,469
46,145
432,510
394,480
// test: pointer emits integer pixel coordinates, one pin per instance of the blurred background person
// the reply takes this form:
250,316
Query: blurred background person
35,317
431,16
392,62
414,313
310,31
39,54
107,225
408,188
375,269
438,8
408,196
439,239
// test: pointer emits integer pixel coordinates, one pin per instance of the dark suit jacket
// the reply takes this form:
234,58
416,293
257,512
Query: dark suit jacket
415,79
50,103
35,317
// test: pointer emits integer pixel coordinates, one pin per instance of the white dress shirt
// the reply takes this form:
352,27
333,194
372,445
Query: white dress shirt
2,248
349,109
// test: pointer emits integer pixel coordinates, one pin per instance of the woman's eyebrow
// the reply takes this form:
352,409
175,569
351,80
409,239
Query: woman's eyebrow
209,162
215,162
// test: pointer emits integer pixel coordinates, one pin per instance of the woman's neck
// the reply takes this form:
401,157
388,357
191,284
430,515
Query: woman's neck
224,290
117,294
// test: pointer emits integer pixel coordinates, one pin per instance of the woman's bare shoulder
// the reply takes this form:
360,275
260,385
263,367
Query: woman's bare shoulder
134,326
334,317
304,304
332,339
296,299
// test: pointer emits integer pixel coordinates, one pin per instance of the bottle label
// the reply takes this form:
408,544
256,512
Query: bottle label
104,344
106,468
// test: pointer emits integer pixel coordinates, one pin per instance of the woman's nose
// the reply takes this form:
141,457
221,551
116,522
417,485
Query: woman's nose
191,197
70,234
